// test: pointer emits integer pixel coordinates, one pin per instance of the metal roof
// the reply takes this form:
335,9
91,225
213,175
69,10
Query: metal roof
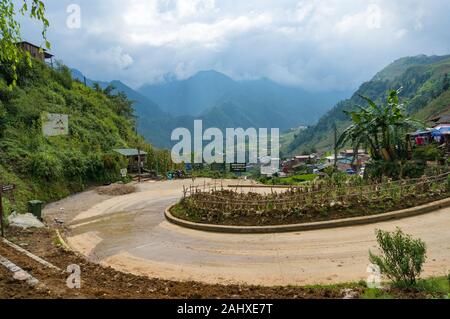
129,152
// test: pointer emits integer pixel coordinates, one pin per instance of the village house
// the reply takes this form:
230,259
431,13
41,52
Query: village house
297,162
132,155
439,134
36,51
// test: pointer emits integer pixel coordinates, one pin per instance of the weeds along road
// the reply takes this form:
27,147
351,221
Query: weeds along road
130,233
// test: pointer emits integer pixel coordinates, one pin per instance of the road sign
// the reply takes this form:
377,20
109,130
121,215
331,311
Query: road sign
124,172
238,167
8,188
55,124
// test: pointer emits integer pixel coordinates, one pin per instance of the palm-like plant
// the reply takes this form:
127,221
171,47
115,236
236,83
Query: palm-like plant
380,128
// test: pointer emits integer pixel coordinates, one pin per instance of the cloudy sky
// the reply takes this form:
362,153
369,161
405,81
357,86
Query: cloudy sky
315,44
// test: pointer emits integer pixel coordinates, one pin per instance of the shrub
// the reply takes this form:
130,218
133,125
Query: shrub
63,76
428,153
45,166
402,257
375,170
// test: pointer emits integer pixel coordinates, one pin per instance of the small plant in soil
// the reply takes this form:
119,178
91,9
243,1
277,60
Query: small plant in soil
402,257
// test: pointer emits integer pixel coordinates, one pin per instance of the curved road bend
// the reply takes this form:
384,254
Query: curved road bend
131,234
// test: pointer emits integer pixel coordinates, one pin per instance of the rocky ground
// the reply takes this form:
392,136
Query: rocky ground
101,282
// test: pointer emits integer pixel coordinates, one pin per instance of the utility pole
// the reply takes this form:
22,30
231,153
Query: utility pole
335,145
157,164
139,154
1,212
139,163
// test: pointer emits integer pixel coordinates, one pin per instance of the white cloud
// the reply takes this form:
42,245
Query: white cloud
116,57
192,8
322,44
210,35
370,18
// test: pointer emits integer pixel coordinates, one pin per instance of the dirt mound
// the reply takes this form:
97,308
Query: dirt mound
116,189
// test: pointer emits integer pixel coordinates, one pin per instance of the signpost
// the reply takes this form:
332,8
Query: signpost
238,167
55,125
4,189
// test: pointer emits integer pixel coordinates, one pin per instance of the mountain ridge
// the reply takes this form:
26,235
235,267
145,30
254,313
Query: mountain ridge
421,79
220,102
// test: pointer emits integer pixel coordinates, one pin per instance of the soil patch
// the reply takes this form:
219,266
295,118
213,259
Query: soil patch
100,282
306,215
116,189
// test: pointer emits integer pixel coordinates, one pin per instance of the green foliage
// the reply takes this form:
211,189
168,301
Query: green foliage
373,293
422,79
402,257
53,167
10,54
381,128
428,153
293,180
446,83
437,286
63,76
375,170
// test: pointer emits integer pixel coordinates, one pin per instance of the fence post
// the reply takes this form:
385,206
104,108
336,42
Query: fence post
1,213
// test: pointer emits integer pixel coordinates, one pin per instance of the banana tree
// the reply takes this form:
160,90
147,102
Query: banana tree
379,127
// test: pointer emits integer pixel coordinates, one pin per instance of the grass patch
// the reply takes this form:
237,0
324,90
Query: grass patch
373,293
292,180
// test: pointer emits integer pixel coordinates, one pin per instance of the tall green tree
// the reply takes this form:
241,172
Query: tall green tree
10,53
380,128
446,83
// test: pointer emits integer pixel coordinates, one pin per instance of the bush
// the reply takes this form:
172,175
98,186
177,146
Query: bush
402,257
63,76
45,166
375,170
428,153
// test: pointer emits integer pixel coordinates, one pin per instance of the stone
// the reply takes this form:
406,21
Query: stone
21,276
349,294
24,221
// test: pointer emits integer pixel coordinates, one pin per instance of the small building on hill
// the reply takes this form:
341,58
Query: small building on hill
36,51
132,155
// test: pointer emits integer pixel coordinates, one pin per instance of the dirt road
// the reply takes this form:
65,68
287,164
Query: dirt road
129,233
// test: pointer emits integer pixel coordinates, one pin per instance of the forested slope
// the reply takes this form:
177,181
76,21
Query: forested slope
425,83
54,167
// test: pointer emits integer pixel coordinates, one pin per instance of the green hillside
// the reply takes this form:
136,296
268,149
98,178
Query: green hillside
425,92
54,167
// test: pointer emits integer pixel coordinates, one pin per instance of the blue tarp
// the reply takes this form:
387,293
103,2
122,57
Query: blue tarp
440,131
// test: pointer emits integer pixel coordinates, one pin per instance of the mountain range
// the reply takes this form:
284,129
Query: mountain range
220,102
424,83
